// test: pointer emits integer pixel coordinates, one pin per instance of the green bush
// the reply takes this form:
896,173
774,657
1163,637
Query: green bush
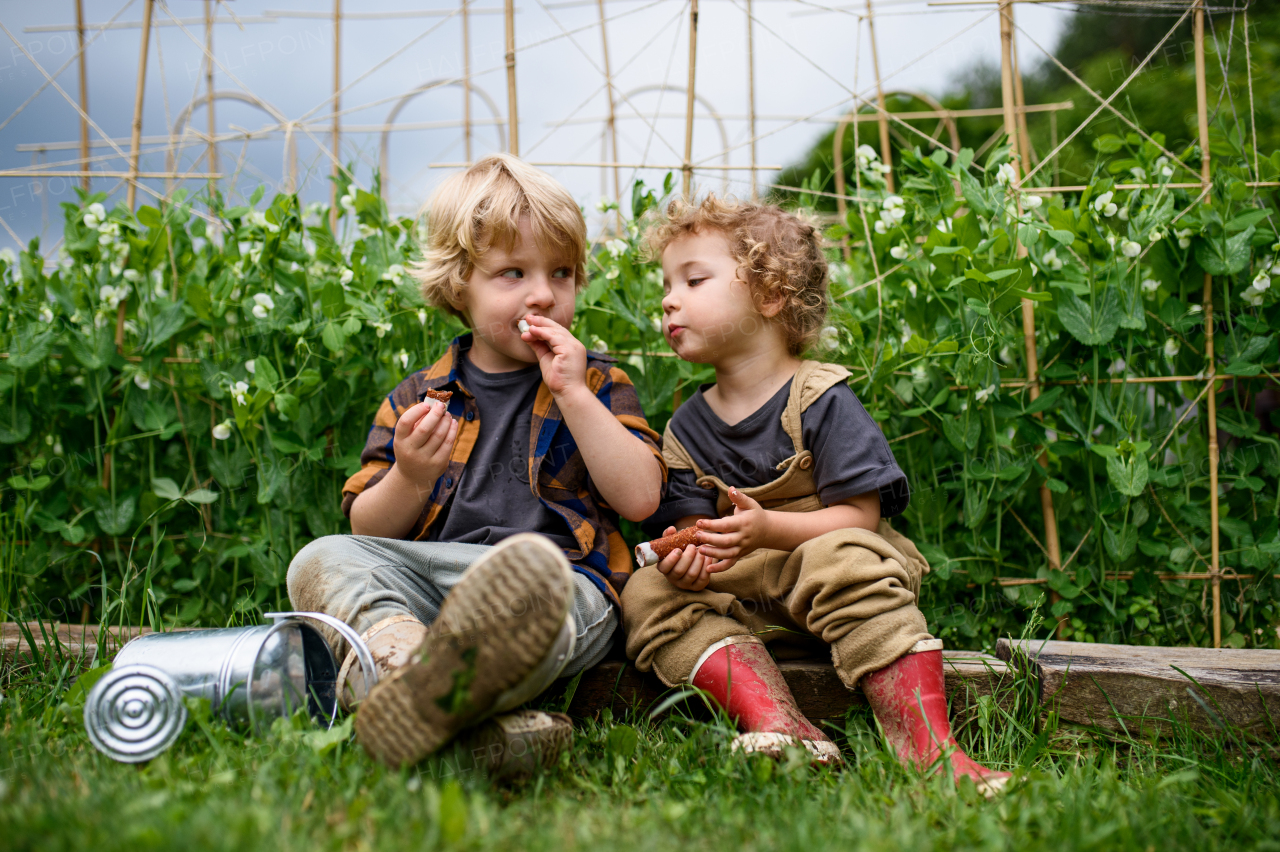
171,480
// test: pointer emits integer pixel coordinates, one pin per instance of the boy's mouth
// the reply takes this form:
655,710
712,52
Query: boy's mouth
674,330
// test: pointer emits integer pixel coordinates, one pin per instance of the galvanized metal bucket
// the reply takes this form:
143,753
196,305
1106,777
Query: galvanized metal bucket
251,676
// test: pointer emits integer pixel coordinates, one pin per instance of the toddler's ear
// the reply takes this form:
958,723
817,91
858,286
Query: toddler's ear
771,306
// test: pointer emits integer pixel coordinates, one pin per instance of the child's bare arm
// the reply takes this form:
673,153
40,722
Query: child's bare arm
624,469
423,440
750,527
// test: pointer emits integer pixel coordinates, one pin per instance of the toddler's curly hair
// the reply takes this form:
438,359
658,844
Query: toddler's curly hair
779,257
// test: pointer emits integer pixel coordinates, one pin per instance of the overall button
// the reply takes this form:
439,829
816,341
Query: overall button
806,462
448,483
471,415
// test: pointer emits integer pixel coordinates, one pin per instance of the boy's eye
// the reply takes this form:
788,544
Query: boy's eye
562,272
512,273
694,282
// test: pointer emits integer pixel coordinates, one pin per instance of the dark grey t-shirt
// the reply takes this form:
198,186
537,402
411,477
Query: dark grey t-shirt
850,453
493,499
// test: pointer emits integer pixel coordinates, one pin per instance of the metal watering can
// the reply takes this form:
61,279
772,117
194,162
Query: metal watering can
251,676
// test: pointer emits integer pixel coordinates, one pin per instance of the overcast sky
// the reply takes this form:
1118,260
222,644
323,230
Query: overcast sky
810,57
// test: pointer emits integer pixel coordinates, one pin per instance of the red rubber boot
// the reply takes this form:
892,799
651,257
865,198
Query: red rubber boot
744,680
899,692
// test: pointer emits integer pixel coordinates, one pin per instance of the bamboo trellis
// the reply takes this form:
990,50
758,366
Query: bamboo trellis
869,106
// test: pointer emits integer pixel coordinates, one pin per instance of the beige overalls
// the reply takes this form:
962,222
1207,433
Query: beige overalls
851,589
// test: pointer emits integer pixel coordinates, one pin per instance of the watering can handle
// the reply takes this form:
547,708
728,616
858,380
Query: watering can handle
353,638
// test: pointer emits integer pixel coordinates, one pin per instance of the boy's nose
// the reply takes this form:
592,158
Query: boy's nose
540,293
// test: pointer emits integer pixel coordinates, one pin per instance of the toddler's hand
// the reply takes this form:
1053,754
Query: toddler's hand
423,442
561,356
728,539
685,569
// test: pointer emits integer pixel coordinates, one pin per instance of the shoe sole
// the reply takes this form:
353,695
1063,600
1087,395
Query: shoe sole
494,628
774,745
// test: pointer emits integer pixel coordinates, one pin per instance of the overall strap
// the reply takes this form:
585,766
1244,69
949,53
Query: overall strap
812,380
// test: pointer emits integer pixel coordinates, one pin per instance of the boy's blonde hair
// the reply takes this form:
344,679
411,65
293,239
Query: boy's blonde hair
476,210
779,257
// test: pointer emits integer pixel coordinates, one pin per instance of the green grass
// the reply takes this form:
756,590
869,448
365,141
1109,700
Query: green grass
629,783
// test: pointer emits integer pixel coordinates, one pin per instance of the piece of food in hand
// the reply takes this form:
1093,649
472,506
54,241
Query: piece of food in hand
653,552
524,326
442,396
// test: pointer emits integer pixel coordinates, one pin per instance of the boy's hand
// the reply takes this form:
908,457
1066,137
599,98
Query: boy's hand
685,569
561,356
423,442
728,539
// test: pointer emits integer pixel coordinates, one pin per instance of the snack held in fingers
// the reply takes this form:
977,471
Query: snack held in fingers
523,326
653,552
442,396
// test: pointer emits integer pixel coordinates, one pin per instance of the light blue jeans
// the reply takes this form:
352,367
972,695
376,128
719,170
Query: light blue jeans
363,579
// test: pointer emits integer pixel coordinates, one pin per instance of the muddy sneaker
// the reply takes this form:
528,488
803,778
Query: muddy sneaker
390,643
511,745
495,629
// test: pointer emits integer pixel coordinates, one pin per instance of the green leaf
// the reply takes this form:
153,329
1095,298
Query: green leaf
165,488
115,520
201,495
333,301
1057,486
94,352
287,405
165,325
264,374
1089,326
1044,402
30,346
333,337
1242,368
1108,143
1129,478
1035,295
1065,238
15,424
1121,545
1224,257
351,325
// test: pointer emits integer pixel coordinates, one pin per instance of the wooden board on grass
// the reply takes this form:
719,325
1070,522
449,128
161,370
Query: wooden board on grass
817,688
1138,688
75,641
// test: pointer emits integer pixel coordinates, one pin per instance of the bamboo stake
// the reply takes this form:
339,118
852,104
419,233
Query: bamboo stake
337,120
751,98
135,140
84,96
612,125
466,80
1020,102
687,168
1202,116
513,113
208,87
1010,90
886,154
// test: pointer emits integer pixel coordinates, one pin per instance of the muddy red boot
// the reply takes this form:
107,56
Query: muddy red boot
744,680
910,702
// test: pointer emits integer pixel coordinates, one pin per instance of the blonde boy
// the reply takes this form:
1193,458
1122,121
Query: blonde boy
787,479
492,517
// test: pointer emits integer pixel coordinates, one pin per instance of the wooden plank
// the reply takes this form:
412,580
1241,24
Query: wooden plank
817,688
1141,690
78,641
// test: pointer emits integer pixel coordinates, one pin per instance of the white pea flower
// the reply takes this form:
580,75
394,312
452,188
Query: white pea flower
1261,281
251,367
899,252
348,202
984,393
892,202
222,431
1138,172
1130,249
829,338
1150,286
1117,366
1156,236
1031,202
881,227
866,156
1124,214
422,316
381,328
133,276
598,345
1110,209
1253,297
394,272
1171,348
238,390
656,320
367,230
1006,174
1166,172
1184,237
1195,309
262,305
346,277
1162,160
258,218
142,380
1100,203
403,358
1111,240
7,255
616,247
612,273
911,288
46,314
944,225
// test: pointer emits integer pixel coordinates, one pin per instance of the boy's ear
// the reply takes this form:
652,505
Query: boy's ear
770,307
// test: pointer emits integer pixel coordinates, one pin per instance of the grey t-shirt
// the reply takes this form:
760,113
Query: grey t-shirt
493,499
850,453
